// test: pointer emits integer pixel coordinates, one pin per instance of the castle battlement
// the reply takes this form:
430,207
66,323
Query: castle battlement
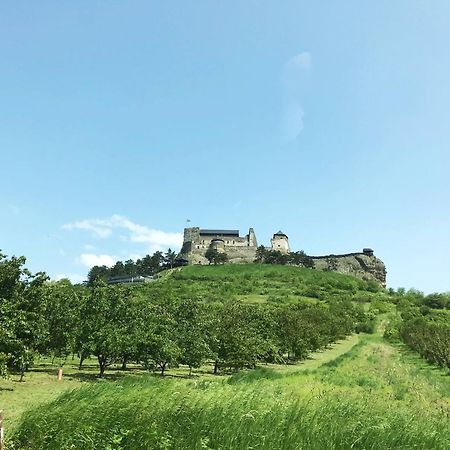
239,249
242,249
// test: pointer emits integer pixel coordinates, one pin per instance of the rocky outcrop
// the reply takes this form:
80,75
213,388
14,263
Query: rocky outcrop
361,265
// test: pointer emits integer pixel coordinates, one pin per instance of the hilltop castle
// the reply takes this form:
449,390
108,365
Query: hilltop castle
242,249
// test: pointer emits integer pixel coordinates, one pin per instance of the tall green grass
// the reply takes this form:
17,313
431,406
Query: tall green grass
247,413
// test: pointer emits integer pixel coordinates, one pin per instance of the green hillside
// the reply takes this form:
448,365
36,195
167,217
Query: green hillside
263,283
254,356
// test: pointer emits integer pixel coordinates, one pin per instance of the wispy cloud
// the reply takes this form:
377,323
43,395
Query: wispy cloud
91,259
99,227
103,228
294,80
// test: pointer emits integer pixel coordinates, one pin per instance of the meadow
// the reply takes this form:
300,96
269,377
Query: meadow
354,386
361,393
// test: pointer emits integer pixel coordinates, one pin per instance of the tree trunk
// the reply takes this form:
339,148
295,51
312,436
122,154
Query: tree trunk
124,363
22,372
163,368
102,365
216,367
81,362
190,371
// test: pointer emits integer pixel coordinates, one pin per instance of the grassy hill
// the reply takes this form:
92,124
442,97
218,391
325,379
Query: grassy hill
263,283
363,392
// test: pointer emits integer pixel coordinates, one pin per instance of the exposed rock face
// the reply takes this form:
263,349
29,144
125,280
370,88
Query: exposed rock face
360,265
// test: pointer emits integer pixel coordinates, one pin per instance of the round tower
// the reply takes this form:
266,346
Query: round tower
218,244
280,242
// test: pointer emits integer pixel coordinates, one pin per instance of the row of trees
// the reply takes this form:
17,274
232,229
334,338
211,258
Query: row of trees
146,266
430,339
267,256
118,324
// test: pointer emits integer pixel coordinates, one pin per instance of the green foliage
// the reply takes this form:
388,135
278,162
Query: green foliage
430,339
215,257
148,265
266,256
22,320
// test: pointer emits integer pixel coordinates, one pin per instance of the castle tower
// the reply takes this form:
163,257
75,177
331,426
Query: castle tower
218,244
191,234
252,238
280,242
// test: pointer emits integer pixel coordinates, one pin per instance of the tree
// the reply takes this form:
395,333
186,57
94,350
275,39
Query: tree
98,273
301,259
169,258
130,268
240,340
215,257
62,314
23,328
261,254
156,261
192,333
118,270
104,330
157,342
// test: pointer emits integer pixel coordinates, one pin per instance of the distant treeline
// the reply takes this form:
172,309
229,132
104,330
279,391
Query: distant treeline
152,264
146,266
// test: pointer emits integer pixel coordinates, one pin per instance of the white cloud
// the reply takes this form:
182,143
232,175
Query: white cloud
73,277
103,228
89,247
99,228
294,81
91,259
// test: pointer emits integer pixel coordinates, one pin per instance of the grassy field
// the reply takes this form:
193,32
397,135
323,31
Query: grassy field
41,383
363,392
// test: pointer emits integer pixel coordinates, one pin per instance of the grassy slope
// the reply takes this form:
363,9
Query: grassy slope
373,395
258,283
362,392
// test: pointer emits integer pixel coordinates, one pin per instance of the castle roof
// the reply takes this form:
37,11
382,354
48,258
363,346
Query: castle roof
280,233
232,233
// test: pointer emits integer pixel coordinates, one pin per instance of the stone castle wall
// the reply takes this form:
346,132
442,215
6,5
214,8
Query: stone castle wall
242,249
239,249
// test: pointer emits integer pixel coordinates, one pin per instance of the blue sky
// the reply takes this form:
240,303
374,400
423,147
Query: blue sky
121,119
